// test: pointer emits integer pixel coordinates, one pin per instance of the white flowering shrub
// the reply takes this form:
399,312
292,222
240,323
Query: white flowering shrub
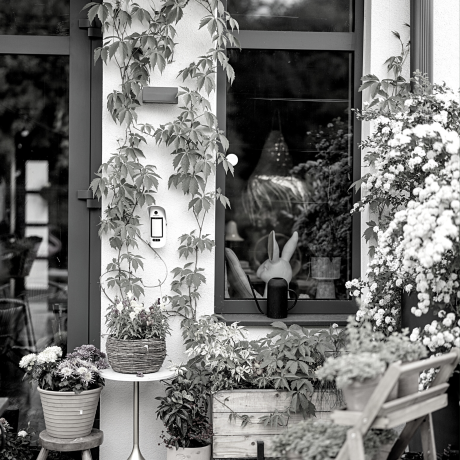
413,190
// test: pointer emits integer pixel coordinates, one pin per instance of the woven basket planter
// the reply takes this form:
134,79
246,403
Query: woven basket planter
133,356
68,415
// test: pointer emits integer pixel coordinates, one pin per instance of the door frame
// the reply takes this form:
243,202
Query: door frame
85,156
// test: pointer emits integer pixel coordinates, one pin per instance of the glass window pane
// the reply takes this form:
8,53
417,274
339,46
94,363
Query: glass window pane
33,219
293,15
289,125
34,17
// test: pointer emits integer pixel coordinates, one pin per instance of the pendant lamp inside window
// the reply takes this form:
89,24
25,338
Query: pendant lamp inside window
271,187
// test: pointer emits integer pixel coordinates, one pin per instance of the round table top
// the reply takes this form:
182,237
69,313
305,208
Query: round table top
163,374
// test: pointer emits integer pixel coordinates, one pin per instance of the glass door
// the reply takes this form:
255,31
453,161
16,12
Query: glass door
46,75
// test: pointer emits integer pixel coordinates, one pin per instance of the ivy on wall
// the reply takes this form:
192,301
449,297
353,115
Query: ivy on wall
197,144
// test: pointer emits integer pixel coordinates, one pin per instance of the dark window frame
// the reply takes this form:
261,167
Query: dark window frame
307,312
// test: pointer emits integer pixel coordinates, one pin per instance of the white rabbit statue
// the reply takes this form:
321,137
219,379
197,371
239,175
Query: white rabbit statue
276,266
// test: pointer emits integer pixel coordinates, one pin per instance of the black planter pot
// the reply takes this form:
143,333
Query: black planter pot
446,421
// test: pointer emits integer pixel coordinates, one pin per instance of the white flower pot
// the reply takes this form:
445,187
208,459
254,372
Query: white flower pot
68,415
189,453
358,394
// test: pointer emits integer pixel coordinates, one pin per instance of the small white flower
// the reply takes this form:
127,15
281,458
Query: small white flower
22,434
132,315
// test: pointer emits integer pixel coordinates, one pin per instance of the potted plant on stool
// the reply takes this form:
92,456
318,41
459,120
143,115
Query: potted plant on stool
69,388
137,332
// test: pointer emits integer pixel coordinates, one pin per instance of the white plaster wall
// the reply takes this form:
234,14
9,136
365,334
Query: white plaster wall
446,42
116,401
381,17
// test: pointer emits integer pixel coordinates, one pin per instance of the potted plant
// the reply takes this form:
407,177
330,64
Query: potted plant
321,440
137,332
184,412
69,388
259,387
357,375
398,346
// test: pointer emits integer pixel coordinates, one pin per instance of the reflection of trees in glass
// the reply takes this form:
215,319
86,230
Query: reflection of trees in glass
324,222
296,15
27,17
34,126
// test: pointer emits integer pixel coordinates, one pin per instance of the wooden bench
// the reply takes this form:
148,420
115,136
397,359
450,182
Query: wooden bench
415,410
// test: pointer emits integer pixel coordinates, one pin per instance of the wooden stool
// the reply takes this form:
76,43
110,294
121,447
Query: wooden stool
84,444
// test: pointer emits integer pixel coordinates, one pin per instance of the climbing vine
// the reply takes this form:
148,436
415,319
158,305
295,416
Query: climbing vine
140,41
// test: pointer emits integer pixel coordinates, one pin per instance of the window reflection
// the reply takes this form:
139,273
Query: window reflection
34,17
288,123
33,220
293,15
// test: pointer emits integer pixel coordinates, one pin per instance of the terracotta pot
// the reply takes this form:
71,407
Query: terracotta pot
189,453
68,415
408,385
358,394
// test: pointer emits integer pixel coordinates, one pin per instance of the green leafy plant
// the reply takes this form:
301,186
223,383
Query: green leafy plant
322,440
286,359
352,367
389,94
129,319
184,409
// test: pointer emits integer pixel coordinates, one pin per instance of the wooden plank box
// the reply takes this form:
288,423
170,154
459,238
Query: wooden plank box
231,440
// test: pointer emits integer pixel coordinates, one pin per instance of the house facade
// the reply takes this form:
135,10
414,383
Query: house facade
297,76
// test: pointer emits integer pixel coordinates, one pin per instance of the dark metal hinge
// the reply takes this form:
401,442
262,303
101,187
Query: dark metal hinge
94,28
87,195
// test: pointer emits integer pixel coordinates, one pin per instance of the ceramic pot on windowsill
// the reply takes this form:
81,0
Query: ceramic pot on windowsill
325,270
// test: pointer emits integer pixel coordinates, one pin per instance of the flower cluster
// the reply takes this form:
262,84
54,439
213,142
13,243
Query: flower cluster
78,375
414,190
78,372
441,335
128,319
92,354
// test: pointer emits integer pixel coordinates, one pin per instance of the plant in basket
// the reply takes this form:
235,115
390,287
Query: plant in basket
69,388
137,332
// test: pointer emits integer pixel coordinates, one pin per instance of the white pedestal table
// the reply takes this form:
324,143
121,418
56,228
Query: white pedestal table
110,374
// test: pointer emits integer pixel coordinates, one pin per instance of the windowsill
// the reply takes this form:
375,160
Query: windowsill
313,320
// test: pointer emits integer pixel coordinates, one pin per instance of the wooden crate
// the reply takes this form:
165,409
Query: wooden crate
233,441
